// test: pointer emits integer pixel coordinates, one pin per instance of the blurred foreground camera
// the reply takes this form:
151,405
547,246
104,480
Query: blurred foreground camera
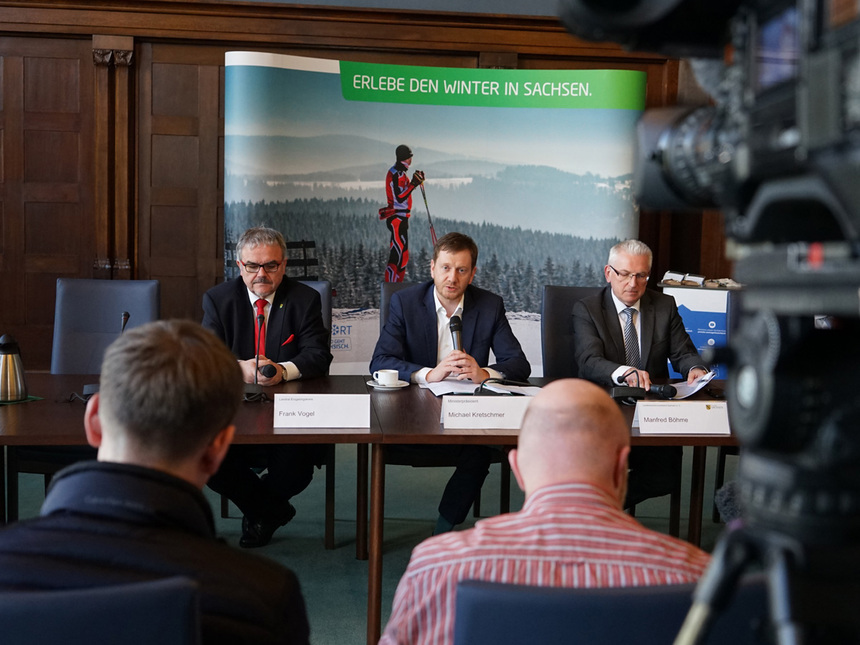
778,151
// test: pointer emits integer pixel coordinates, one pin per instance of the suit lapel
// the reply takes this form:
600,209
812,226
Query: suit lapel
428,323
275,331
470,319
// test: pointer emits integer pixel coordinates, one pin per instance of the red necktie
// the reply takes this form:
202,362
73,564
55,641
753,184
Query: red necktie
260,328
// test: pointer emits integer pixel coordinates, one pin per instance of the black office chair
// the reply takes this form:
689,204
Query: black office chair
162,611
88,316
490,613
559,358
325,290
396,456
556,329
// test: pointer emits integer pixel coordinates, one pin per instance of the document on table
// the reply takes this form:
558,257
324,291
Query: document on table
453,386
684,390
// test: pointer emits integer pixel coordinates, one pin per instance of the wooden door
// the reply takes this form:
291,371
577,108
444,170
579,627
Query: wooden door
46,182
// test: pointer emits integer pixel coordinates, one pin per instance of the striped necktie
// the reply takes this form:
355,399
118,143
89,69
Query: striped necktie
631,341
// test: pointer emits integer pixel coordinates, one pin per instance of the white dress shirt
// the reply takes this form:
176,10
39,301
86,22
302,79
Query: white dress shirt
444,340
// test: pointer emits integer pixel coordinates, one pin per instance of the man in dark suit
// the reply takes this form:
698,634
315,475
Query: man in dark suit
294,342
162,422
417,342
657,334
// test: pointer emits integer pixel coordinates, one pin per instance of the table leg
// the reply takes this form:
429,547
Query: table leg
361,502
697,494
374,576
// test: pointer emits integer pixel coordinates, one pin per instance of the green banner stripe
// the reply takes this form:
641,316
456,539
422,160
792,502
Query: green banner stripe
594,89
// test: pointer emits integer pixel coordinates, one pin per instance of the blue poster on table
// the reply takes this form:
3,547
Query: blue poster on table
706,314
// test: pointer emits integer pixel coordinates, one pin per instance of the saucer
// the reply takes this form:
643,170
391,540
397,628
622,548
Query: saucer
396,386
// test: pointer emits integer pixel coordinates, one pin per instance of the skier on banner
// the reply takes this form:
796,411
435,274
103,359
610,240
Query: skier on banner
398,191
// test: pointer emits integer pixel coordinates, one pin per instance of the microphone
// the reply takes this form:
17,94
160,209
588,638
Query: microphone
456,327
125,317
268,370
663,391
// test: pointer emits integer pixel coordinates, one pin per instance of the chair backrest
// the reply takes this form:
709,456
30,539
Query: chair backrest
160,611
556,329
298,262
500,614
88,317
388,288
324,289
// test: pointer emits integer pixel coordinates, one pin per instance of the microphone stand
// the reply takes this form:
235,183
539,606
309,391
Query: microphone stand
92,388
254,391
626,394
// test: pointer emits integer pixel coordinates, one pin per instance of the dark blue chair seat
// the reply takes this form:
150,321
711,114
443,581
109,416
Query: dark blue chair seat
489,613
161,611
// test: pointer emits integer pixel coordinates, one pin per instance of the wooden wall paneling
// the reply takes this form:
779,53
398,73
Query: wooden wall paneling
103,175
114,213
268,25
180,193
47,108
125,220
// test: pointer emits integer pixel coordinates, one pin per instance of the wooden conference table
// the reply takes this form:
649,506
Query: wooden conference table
405,416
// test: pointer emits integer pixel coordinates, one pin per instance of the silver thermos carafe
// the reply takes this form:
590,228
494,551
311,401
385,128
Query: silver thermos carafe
12,384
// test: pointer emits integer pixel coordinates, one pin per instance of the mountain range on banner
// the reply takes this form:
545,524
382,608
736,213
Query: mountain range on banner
458,187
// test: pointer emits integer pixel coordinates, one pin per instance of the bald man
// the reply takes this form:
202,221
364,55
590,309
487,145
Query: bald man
571,463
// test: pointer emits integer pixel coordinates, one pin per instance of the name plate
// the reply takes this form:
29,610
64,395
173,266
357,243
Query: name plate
322,410
484,412
682,417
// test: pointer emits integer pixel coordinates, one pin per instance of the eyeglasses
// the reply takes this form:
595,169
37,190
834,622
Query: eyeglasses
626,275
268,267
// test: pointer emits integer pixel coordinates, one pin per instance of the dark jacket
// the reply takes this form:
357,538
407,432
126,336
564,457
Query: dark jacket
295,330
107,524
409,340
599,341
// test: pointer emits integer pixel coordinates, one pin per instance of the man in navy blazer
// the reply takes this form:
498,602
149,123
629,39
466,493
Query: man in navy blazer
417,342
598,336
295,344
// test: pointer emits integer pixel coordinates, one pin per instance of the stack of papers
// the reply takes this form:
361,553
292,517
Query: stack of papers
684,390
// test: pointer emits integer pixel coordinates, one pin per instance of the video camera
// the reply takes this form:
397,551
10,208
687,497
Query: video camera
778,151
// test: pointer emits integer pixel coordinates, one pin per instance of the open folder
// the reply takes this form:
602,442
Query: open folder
453,386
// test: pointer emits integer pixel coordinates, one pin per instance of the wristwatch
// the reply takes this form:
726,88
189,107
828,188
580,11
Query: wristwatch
283,372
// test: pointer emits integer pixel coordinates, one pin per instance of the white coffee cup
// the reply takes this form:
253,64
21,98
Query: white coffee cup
386,377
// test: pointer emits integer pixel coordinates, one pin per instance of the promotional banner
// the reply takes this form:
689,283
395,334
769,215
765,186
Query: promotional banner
534,165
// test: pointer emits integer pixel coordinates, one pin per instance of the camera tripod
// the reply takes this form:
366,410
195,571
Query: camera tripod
813,591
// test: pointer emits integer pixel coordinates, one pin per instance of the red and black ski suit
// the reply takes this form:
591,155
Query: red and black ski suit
398,191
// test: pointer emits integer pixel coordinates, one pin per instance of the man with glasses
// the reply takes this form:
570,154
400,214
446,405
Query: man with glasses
625,335
267,319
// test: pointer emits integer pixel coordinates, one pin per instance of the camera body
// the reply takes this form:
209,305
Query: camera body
778,151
